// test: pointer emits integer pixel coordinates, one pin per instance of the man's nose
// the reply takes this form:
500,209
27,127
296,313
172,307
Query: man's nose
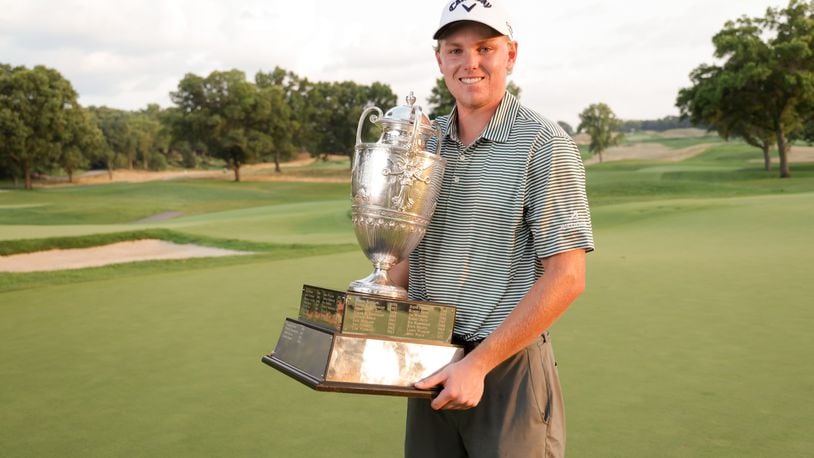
472,60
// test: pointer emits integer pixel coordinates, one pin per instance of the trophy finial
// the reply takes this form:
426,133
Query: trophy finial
411,99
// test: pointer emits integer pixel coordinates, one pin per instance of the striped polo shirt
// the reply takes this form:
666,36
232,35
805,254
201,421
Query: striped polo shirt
514,196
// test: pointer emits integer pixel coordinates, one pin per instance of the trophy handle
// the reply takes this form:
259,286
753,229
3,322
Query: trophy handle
373,119
439,133
418,115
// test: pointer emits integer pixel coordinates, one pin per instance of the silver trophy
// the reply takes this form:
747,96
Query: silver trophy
395,187
369,339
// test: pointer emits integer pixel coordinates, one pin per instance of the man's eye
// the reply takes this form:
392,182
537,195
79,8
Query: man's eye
455,51
485,49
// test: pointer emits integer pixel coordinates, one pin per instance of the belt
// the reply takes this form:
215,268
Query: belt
469,345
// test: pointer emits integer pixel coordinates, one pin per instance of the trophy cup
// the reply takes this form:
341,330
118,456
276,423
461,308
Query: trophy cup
371,339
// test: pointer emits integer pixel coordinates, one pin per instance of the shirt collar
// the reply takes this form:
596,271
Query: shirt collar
498,128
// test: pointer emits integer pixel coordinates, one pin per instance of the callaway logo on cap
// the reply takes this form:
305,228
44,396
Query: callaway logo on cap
488,12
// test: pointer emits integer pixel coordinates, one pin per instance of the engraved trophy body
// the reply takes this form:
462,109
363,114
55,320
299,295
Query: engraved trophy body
395,187
371,339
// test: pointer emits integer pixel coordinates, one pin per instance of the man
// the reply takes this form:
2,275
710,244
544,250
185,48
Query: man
506,245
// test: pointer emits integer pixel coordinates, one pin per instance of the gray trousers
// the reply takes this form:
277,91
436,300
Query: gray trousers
520,415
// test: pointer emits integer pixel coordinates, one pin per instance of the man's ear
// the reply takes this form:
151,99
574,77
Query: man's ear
512,55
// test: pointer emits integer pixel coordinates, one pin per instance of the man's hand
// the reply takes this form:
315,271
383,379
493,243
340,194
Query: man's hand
462,382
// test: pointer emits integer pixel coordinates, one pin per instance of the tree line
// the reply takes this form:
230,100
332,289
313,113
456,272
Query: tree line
222,115
761,91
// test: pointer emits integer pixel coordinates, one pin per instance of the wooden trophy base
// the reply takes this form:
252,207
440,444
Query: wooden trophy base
363,355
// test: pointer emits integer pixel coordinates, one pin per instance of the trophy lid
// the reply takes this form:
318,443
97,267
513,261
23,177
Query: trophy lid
403,115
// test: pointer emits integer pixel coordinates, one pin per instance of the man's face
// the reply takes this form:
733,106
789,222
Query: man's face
475,64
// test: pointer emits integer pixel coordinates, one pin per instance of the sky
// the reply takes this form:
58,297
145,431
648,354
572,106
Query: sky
633,55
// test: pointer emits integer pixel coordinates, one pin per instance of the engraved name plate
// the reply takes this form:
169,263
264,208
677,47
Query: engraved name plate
304,347
387,317
322,306
355,313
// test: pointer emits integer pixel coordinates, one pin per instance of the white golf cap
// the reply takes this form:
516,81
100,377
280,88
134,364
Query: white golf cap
487,12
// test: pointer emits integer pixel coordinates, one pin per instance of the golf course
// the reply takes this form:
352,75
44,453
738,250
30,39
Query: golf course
693,337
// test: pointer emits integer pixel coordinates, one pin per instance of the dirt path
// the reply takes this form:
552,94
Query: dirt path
140,176
799,154
659,152
116,253
649,151
251,172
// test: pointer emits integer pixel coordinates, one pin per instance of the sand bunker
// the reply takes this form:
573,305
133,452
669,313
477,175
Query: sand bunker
117,253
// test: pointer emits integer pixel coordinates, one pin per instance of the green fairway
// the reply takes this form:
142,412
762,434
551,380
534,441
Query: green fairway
692,339
125,203
307,222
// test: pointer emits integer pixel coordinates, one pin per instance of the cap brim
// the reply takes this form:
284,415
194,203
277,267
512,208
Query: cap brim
447,26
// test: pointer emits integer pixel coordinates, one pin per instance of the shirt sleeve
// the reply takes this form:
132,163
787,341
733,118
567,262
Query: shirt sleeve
556,201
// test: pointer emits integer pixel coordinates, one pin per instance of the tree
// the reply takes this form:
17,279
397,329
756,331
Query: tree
144,131
12,132
333,110
441,100
325,114
210,110
83,142
275,123
807,134
792,78
36,108
229,115
118,138
284,103
658,125
566,127
722,103
765,84
513,89
599,121
157,128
